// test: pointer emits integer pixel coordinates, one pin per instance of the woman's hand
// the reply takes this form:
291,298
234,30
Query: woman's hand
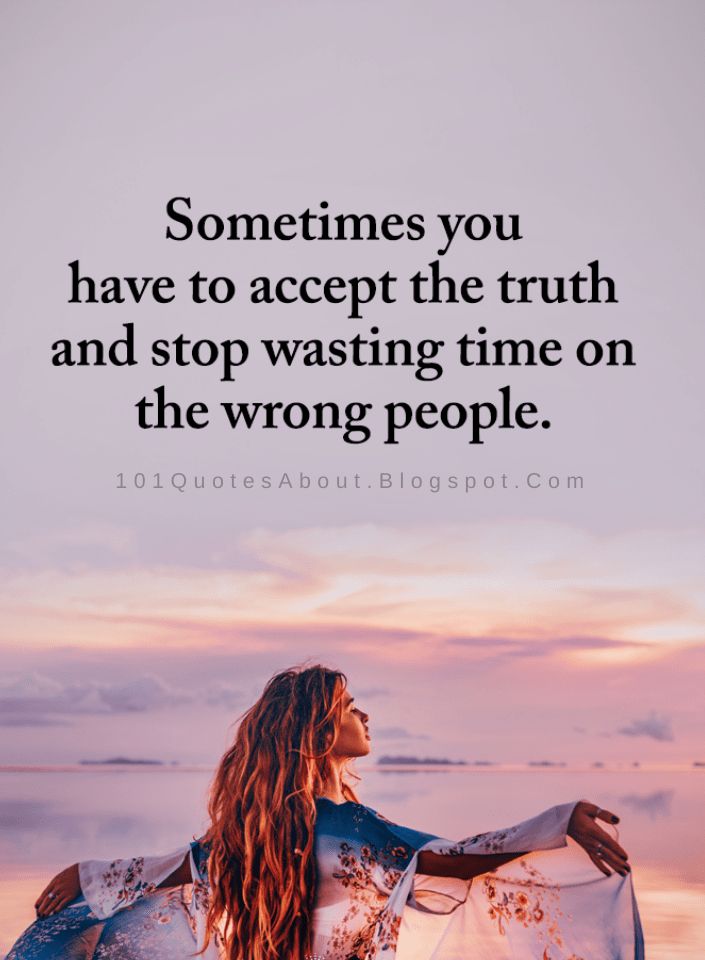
603,850
59,892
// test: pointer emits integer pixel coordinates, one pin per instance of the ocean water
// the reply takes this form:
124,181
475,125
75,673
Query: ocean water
50,817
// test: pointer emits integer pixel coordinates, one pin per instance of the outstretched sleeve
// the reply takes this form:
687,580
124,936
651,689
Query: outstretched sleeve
112,885
546,831
552,903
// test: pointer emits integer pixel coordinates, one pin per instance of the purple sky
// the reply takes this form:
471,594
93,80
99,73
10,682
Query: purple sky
511,624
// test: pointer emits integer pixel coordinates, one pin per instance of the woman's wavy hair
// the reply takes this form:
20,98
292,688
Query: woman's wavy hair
262,808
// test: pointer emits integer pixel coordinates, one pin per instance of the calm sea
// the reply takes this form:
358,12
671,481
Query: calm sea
55,816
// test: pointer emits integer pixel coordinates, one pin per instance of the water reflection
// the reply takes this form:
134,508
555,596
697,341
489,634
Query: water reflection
20,821
385,797
51,819
672,914
655,805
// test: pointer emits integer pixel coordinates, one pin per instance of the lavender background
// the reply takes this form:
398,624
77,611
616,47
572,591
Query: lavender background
508,625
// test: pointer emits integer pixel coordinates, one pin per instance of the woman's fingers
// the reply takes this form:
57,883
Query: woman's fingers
59,892
604,859
606,815
43,894
616,849
52,907
44,902
601,836
44,908
58,904
47,903
600,846
598,863
613,861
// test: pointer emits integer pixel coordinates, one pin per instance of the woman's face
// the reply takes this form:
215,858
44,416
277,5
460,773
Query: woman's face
353,740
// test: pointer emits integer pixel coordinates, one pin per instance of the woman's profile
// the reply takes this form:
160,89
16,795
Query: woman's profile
294,867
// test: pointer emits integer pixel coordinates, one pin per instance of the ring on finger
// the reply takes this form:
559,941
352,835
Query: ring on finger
51,896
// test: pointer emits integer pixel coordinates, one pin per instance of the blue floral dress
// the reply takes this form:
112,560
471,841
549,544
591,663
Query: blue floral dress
371,903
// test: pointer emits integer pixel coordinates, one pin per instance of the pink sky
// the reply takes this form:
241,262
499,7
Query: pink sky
495,641
511,625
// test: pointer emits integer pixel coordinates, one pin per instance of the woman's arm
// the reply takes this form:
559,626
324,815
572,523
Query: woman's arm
603,850
464,866
180,876
59,892
66,886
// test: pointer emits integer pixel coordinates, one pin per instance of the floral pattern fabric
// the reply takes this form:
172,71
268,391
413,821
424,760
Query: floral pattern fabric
371,903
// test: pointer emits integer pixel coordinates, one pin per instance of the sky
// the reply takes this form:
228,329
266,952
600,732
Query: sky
509,623
508,642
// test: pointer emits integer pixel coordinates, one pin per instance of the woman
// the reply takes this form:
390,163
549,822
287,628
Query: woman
293,867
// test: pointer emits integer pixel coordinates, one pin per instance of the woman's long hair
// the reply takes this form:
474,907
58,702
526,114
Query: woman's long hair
262,807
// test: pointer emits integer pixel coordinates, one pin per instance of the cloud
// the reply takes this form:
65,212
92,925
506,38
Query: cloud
22,821
654,726
37,700
223,695
36,720
654,805
474,590
397,733
79,546
373,693
502,647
